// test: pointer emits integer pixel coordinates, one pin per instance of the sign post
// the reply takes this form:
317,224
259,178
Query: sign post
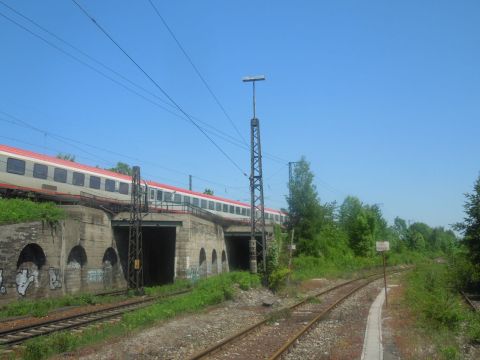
383,246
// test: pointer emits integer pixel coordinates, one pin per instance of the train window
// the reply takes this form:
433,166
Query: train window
159,195
78,179
15,166
60,175
248,212
167,196
152,194
218,206
177,198
186,199
203,203
40,171
244,211
232,209
225,208
195,201
110,185
238,211
211,205
277,218
123,188
94,182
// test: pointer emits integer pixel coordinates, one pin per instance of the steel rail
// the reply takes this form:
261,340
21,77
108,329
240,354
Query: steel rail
242,333
23,333
469,302
317,318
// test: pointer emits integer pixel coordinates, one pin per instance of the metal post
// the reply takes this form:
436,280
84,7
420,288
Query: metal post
385,278
190,182
257,206
135,244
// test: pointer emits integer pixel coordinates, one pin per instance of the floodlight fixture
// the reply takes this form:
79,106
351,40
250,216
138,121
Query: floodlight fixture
253,78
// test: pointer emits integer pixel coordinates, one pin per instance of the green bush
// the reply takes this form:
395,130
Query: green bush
277,278
21,210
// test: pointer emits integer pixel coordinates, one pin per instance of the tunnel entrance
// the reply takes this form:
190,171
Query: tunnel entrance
238,252
158,253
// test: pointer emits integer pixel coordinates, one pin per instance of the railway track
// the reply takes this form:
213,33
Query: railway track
18,335
276,338
472,300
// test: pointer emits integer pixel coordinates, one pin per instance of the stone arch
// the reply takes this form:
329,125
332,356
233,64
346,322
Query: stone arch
214,262
77,258
75,272
29,263
202,263
110,268
32,254
224,261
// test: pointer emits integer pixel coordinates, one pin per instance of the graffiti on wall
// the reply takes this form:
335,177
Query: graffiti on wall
95,275
54,276
24,279
192,274
3,289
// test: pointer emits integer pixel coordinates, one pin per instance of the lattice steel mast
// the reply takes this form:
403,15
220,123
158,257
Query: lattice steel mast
135,245
257,212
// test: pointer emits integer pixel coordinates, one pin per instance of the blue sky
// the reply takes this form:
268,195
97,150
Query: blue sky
381,97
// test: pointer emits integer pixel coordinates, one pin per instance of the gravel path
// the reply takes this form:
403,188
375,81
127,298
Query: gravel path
340,335
184,336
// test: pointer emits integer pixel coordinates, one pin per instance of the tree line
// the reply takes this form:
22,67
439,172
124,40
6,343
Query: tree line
353,227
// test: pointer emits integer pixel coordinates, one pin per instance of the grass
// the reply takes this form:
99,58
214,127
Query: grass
439,309
309,267
20,210
42,307
207,292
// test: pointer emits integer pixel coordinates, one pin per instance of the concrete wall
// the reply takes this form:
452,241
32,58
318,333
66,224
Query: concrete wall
66,259
82,253
197,242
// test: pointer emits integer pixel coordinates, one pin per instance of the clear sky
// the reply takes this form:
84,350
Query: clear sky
382,97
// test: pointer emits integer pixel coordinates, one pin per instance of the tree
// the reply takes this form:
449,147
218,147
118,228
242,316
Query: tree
208,192
122,168
68,157
471,224
303,202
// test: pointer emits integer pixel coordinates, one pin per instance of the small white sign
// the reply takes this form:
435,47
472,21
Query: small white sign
382,245
292,247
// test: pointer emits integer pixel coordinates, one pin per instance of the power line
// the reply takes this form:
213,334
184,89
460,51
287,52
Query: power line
220,134
197,71
19,122
213,130
160,88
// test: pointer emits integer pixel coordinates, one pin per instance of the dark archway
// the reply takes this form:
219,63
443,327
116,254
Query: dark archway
214,262
202,264
224,261
33,254
110,256
110,268
77,257
28,277
75,274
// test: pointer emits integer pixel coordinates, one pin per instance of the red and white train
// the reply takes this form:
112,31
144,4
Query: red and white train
27,171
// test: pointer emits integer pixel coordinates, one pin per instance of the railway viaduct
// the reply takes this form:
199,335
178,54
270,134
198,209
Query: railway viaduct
87,252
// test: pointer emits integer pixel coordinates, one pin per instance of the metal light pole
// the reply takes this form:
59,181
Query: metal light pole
257,213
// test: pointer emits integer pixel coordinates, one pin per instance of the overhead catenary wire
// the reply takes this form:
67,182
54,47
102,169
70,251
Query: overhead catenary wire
59,137
197,71
19,122
211,129
233,162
